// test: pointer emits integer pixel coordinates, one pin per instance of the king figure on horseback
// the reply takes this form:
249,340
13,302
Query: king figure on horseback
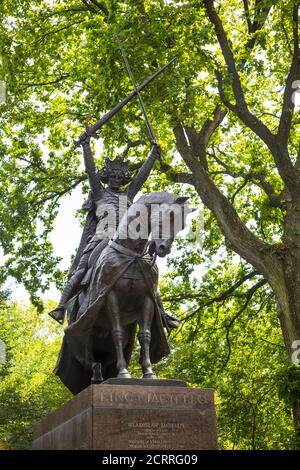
96,234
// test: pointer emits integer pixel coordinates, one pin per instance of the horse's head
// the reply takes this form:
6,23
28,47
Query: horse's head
158,215
167,216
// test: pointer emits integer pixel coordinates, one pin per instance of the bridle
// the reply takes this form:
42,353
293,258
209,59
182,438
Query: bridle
133,254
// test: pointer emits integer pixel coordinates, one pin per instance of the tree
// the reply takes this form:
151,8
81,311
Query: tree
227,107
28,388
250,413
244,362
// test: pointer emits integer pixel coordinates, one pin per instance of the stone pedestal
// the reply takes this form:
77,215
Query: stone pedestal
159,415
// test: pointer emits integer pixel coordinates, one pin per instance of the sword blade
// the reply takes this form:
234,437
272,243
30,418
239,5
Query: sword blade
125,58
90,131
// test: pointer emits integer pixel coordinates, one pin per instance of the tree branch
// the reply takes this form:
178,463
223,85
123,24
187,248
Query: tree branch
242,240
294,73
218,298
238,190
211,125
176,176
101,6
240,108
229,325
58,194
181,177
31,163
51,82
261,12
88,7
227,53
247,15
144,17
131,144
54,31
198,141
61,12
259,179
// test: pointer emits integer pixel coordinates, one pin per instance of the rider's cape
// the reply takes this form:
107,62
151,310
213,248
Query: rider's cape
74,362
88,231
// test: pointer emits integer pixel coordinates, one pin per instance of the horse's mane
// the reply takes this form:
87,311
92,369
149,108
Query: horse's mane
157,197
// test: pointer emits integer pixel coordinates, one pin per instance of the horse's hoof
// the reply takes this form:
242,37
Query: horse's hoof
124,374
149,375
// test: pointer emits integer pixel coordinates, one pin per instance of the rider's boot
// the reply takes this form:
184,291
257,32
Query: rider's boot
58,313
170,322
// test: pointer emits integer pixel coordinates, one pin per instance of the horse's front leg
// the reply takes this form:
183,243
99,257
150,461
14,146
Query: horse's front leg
144,336
113,310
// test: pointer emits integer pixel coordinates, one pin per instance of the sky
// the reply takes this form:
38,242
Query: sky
65,238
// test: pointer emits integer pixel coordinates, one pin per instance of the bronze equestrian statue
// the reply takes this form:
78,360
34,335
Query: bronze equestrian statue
115,174
112,283
121,295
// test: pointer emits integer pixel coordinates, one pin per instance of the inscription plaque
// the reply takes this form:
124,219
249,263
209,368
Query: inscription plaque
125,417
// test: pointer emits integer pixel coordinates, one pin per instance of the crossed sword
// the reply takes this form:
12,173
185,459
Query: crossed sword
92,131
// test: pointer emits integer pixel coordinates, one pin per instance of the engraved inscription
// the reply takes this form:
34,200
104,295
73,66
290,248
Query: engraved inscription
151,398
155,435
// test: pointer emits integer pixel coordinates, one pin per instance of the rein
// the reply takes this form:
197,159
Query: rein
131,253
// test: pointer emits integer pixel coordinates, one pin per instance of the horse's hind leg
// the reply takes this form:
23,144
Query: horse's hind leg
112,306
144,337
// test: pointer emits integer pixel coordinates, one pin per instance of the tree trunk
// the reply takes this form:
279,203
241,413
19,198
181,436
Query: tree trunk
279,264
287,300
287,293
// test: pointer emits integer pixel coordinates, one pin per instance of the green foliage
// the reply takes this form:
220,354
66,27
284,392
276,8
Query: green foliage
237,351
62,66
28,388
243,367
251,414
289,385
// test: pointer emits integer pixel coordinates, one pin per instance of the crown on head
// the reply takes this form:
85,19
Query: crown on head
117,164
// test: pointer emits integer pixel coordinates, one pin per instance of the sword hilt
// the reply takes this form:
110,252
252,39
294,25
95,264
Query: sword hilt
88,133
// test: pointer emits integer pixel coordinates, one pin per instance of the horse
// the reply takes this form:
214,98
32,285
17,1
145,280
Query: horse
122,294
